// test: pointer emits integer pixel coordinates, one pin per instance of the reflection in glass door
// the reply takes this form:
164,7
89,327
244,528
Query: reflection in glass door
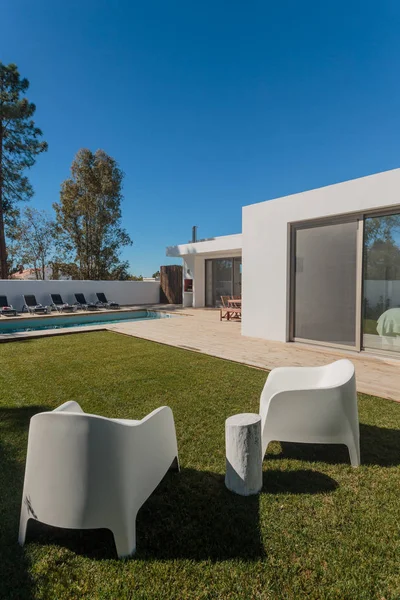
325,283
223,278
381,286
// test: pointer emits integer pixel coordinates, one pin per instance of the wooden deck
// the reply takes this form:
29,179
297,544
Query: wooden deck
201,331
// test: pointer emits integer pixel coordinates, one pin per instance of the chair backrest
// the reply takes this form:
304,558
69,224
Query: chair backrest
80,298
56,298
3,301
310,401
101,297
30,300
224,301
72,464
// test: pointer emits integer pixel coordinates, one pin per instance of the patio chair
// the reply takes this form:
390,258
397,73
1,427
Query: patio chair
84,471
229,312
224,309
82,304
31,305
6,309
314,405
104,303
57,302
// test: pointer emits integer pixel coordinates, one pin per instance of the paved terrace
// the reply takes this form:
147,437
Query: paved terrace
201,330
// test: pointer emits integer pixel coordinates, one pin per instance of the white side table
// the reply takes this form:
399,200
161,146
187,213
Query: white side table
243,454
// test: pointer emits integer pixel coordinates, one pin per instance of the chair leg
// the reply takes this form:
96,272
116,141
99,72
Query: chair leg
175,465
354,451
23,525
125,541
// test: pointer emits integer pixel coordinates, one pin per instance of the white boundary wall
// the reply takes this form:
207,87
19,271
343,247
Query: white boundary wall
123,292
265,277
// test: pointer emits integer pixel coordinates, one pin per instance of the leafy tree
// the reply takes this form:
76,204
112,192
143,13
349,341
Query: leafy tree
19,145
89,215
61,268
156,274
36,235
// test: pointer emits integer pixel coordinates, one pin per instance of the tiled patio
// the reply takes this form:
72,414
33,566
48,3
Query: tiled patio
200,330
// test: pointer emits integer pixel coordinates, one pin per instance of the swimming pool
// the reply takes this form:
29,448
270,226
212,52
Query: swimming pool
74,320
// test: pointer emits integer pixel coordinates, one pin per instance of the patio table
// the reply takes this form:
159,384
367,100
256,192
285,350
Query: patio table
232,303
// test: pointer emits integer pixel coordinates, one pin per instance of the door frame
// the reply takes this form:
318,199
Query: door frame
360,217
211,260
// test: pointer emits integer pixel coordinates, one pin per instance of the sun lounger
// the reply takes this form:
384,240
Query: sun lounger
6,308
82,304
58,304
104,303
31,305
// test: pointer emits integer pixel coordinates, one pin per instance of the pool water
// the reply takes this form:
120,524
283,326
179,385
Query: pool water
73,320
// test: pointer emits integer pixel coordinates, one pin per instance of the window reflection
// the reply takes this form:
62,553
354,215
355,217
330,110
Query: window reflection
381,322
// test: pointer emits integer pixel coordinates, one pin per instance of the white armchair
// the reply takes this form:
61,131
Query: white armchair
86,472
312,405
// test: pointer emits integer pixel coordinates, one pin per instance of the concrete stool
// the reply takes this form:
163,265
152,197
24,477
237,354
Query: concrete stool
243,454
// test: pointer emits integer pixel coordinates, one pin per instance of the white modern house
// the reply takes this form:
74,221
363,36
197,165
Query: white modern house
321,266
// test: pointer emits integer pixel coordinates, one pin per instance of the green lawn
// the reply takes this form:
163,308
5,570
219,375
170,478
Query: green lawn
319,529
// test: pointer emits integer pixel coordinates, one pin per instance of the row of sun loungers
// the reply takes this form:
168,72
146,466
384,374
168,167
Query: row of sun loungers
56,303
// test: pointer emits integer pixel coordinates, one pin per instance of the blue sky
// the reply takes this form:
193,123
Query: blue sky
208,106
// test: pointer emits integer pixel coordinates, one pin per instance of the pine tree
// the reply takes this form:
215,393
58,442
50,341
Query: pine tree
19,145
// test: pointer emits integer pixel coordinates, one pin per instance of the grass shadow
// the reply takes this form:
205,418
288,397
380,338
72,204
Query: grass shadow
303,481
378,445
15,581
190,515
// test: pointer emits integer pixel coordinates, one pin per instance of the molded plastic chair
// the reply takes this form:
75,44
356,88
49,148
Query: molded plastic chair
316,405
87,472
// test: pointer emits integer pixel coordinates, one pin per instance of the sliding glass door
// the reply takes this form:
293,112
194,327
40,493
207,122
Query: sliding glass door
381,285
325,283
223,278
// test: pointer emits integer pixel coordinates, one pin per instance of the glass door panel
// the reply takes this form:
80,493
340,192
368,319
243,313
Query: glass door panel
381,286
223,279
325,282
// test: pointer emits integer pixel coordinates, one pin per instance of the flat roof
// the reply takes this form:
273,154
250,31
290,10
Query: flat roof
222,244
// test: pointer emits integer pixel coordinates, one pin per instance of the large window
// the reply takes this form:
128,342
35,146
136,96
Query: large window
223,278
381,301
325,283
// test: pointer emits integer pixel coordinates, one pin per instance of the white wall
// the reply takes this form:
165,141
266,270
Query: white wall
265,244
123,292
